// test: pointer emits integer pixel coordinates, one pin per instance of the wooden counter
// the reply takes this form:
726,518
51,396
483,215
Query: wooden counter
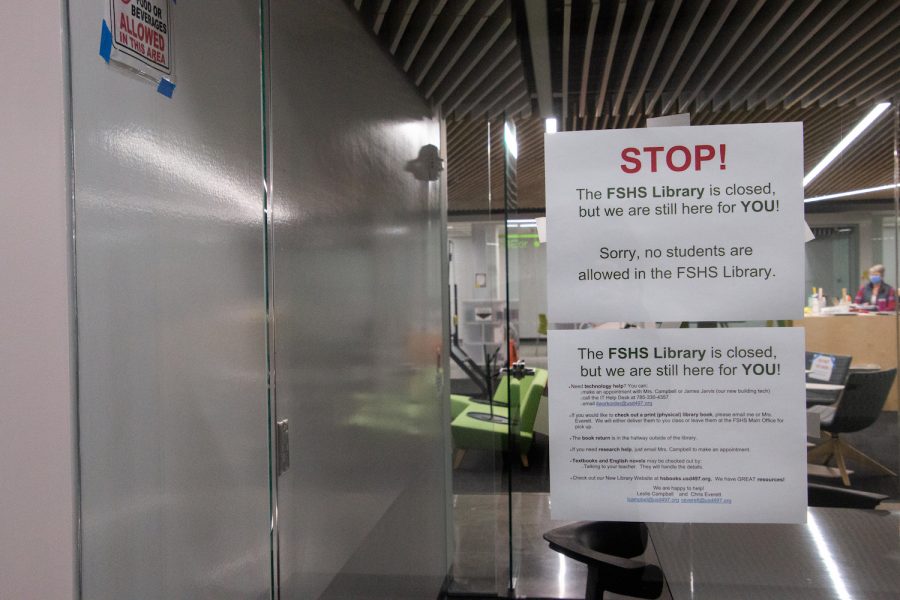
867,338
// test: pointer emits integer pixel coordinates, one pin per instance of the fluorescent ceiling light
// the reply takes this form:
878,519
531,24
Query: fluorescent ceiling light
551,125
842,145
521,223
853,193
509,136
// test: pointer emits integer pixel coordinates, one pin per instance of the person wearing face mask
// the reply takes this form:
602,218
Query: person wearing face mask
877,290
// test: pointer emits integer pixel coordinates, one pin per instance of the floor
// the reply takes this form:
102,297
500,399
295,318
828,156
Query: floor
881,441
482,472
480,562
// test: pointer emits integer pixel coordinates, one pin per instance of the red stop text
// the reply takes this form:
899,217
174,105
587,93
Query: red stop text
672,158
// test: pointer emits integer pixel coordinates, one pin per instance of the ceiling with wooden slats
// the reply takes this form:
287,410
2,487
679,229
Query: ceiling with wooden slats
463,55
606,64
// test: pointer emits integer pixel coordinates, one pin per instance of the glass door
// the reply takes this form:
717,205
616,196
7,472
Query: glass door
479,351
528,448
855,245
169,222
357,313
614,66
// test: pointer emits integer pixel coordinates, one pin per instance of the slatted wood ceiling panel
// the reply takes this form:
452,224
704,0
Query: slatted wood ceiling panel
613,63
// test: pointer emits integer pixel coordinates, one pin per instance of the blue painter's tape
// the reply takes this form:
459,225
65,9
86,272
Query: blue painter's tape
165,87
105,41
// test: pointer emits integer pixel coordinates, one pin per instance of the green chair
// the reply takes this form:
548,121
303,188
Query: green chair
472,429
459,402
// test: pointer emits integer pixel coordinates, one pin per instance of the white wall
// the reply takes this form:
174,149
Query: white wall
529,284
475,251
863,220
36,462
472,254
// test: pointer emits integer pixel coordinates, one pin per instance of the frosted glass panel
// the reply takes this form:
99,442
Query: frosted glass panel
171,315
359,314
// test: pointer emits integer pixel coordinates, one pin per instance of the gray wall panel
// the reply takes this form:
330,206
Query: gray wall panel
358,314
171,311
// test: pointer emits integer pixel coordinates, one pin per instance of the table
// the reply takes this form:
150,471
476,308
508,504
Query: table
845,554
867,338
827,387
822,393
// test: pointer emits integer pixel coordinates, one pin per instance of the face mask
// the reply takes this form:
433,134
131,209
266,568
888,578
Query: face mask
876,279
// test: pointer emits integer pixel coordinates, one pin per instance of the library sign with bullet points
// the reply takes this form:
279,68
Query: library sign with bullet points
676,224
679,425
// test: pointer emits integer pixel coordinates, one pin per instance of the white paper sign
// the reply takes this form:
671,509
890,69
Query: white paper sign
678,425
140,35
680,119
675,223
821,367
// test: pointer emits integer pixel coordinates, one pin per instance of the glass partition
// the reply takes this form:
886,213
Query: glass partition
856,321
850,329
479,351
821,64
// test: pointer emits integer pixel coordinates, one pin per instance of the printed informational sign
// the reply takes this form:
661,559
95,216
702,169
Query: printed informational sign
678,425
675,223
140,35
821,367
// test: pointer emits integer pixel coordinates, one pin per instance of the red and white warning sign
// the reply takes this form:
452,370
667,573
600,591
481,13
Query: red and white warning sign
141,31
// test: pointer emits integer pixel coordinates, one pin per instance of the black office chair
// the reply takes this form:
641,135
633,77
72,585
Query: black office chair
835,497
860,406
839,374
608,549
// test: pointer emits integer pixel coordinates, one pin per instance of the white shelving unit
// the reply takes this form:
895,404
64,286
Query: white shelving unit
482,325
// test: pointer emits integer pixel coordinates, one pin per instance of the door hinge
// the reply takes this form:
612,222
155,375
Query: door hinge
282,447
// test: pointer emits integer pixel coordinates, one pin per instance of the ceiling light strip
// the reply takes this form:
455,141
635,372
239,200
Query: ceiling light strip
853,193
844,143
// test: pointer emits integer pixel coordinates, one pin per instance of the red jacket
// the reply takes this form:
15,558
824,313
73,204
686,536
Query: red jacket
885,292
